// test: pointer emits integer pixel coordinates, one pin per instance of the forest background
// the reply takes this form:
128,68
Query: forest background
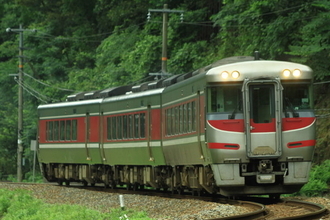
98,44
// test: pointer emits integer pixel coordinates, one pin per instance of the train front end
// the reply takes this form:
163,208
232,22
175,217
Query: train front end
260,126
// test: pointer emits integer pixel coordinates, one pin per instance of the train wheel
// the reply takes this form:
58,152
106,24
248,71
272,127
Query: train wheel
85,183
112,184
67,183
180,190
60,182
173,190
275,196
135,186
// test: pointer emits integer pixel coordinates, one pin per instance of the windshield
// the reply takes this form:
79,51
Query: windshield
296,97
225,99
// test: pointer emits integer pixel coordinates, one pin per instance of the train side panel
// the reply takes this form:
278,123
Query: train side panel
136,120
69,133
184,123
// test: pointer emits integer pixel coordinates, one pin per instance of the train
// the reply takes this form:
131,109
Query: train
239,126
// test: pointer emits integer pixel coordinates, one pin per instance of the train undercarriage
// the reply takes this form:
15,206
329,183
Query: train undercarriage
197,179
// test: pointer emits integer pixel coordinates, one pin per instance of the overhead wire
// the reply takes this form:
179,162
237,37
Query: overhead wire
45,84
31,93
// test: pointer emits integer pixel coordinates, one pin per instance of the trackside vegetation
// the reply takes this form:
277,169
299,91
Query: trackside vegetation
318,182
20,204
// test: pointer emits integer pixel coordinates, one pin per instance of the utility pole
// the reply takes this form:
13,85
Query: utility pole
165,12
20,100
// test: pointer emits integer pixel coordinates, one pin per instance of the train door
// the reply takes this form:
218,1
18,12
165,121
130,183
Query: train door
198,121
87,136
102,135
262,112
149,131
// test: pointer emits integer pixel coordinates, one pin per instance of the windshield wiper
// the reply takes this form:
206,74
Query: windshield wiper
290,106
232,115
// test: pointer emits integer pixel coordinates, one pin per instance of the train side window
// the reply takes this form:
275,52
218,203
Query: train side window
181,119
109,128
124,127
142,125
62,130
114,128
136,125
193,114
56,130
49,131
120,127
172,121
68,130
185,118
177,120
189,122
168,121
130,126
74,130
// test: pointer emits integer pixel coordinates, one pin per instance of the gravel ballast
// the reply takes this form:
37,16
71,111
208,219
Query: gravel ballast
157,207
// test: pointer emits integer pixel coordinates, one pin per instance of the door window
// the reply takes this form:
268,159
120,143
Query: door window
262,103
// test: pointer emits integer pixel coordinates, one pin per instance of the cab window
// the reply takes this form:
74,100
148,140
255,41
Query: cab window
225,99
296,96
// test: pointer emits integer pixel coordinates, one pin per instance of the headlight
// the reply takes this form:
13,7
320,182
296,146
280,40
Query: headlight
235,74
296,73
286,73
224,75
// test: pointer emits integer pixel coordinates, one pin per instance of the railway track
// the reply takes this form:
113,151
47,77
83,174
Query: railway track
259,211
291,209
258,208
301,210
278,209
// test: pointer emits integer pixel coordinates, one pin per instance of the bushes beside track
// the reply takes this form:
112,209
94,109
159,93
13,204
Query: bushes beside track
19,204
319,180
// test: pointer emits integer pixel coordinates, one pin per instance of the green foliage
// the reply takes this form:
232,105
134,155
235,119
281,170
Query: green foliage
318,182
314,46
19,204
267,26
314,188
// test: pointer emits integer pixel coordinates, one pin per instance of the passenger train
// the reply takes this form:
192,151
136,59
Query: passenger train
240,126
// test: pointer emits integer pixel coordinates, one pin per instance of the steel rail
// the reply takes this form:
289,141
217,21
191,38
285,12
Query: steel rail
317,210
259,211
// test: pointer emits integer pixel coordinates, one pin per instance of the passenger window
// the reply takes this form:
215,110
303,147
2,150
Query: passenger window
74,130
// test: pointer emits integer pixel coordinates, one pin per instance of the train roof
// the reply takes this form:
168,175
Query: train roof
245,65
134,95
162,83
70,103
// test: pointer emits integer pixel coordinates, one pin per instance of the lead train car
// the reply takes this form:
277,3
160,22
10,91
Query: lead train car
237,127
